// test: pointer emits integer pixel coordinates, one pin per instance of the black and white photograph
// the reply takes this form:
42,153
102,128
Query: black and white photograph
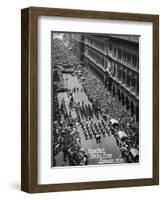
89,99
94,99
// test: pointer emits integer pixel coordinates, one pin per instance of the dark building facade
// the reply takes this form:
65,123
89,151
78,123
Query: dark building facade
115,60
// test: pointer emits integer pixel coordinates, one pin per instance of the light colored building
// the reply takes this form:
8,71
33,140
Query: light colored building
115,60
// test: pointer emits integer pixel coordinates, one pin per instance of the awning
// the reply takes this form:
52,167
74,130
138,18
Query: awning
122,134
134,152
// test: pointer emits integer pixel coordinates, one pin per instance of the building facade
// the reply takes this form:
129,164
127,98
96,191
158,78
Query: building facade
115,60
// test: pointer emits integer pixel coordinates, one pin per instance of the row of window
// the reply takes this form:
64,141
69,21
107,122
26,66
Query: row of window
126,57
130,80
97,57
96,43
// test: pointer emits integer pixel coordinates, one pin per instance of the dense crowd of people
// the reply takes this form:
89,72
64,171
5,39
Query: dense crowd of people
67,140
66,136
95,90
95,130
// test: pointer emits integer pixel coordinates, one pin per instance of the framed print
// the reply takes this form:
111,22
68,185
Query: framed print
90,99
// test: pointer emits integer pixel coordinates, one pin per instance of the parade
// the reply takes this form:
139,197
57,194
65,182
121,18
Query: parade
73,118
86,116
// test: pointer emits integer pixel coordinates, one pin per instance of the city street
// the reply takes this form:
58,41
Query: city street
107,142
94,113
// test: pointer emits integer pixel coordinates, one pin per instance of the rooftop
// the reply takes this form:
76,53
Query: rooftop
131,38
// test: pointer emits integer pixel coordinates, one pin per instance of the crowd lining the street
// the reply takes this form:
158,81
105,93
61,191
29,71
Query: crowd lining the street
108,105
66,137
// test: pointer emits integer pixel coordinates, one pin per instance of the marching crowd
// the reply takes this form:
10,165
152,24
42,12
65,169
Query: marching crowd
95,130
108,105
66,137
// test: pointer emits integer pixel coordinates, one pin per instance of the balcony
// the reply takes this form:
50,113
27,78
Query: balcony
122,62
115,58
96,63
128,89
